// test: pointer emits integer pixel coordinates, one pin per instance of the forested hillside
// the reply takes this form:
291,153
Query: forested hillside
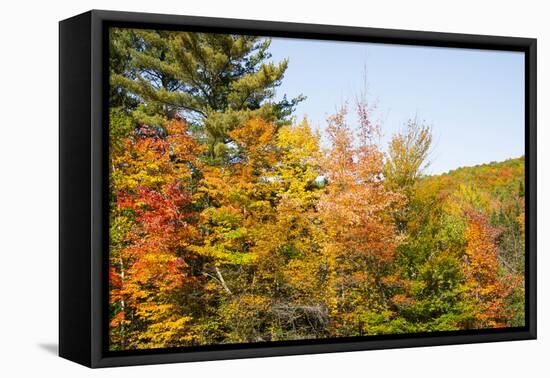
230,223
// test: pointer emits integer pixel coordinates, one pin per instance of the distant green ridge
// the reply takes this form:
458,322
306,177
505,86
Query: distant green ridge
493,177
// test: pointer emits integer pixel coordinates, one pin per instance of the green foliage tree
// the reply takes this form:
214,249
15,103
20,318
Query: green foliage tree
407,158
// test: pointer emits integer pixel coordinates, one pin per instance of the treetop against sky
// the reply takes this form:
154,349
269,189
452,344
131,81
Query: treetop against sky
472,99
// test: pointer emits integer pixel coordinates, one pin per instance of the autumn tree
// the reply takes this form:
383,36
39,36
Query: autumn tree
428,273
152,228
485,285
408,153
260,234
406,162
289,267
236,199
356,214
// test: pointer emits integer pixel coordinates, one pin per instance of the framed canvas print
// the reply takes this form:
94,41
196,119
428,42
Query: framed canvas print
234,188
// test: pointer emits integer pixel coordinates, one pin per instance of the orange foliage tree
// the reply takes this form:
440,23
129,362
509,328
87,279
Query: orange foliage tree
355,210
484,285
152,178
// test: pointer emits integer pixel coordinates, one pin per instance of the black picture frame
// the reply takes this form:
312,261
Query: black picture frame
83,182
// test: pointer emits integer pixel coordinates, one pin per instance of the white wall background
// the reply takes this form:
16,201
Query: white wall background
29,189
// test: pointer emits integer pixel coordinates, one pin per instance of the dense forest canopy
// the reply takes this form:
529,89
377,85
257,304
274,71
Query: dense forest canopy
231,223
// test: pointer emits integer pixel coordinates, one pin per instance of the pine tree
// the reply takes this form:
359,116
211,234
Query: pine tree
215,81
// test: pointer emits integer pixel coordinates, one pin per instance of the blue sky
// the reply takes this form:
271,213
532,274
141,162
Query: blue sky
472,99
